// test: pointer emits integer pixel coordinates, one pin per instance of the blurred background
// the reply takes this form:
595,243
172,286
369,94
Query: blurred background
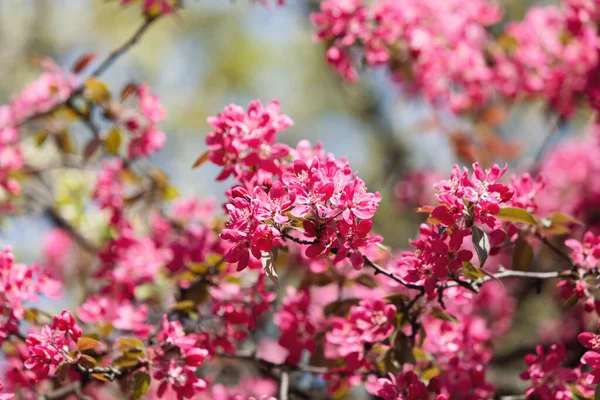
216,52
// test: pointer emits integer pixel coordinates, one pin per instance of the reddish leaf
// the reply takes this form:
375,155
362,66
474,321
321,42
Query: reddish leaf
201,160
82,62
128,90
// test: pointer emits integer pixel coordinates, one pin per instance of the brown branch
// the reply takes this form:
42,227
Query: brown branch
62,392
555,249
70,229
114,55
107,63
380,270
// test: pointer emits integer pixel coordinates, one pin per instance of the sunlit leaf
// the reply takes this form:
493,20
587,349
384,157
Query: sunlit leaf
139,384
515,214
87,343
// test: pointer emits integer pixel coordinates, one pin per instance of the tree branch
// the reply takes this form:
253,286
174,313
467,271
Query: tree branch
380,270
114,55
107,63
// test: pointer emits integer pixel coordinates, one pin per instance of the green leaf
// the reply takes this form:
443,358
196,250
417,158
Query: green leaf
113,141
443,315
515,214
96,91
366,280
559,218
481,242
86,343
126,343
139,384
471,271
522,255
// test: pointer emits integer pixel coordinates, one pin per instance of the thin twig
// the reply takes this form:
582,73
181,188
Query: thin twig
113,56
70,229
380,270
109,61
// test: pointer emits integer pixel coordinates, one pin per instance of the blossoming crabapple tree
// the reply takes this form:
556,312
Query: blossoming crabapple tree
177,296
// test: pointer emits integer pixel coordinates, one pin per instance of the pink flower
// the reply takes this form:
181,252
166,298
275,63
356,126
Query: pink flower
20,283
371,321
109,191
586,253
550,380
591,358
525,190
51,347
4,395
272,207
177,356
356,201
296,325
244,140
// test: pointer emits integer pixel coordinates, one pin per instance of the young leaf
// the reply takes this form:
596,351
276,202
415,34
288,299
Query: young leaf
481,242
139,384
96,91
128,90
91,147
129,343
113,141
443,315
515,214
201,160
82,62
86,343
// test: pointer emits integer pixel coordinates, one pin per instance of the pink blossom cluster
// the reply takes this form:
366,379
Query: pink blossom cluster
129,261
587,252
570,173
249,385
369,322
243,142
122,314
465,202
239,307
591,358
403,386
52,345
10,154
109,189
438,48
175,360
297,326
549,379
5,395
461,348
448,54
332,206
51,88
525,190
19,284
